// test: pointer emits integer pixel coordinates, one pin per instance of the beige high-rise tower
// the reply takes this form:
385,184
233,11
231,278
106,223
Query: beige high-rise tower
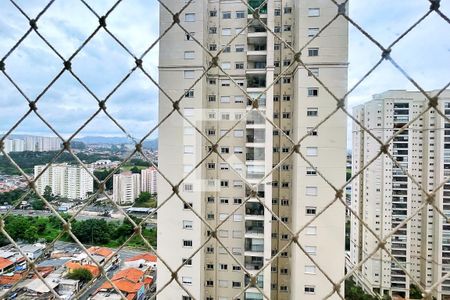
384,196
294,191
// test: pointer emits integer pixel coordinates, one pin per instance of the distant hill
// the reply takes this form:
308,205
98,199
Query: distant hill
151,144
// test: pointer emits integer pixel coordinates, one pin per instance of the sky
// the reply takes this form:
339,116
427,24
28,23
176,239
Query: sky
424,54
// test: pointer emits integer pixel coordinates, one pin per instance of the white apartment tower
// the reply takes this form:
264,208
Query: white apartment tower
148,180
384,196
69,181
215,190
126,187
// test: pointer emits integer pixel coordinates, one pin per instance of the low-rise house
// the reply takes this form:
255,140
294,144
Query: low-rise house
142,261
5,265
133,283
71,266
33,251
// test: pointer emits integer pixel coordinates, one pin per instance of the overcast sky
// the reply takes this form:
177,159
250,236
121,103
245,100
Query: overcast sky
424,54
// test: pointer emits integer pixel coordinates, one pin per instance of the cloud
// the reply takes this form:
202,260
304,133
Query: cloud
101,65
423,53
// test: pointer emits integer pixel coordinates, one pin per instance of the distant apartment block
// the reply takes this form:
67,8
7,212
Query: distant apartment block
148,180
126,188
296,103
32,143
69,181
14,145
384,196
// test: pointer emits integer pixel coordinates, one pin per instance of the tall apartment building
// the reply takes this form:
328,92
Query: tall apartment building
126,187
69,181
148,180
384,196
41,143
14,145
296,103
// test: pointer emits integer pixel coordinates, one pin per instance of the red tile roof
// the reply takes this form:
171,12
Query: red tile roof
102,251
93,269
123,285
5,279
144,256
4,263
130,274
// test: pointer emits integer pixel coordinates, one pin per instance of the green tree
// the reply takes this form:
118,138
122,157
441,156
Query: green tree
83,275
414,292
48,193
92,231
31,234
38,204
354,292
135,170
144,197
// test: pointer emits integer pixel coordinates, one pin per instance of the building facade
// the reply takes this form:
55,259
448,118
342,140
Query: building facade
69,181
216,190
384,196
148,180
126,187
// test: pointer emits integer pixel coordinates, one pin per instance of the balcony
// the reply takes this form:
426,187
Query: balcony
254,211
254,227
256,81
256,4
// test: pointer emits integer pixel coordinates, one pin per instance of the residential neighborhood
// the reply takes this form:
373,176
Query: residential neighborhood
68,270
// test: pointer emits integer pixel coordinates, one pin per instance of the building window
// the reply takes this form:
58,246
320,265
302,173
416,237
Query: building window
186,298
213,13
311,151
187,243
225,99
189,17
286,80
240,48
212,30
212,47
312,112
311,230
310,289
226,31
189,94
287,28
277,29
188,187
226,15
209,283
236,284
311,191
311,210
288,10
277,12
224,183
187,262
240,14
188,149
311,250
189,54
187,224
223,267
212,98
189,74
311,131
239,66
310,269
313,51
313,31
313,12
313,71
226,65
225,82
311,171
313,92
